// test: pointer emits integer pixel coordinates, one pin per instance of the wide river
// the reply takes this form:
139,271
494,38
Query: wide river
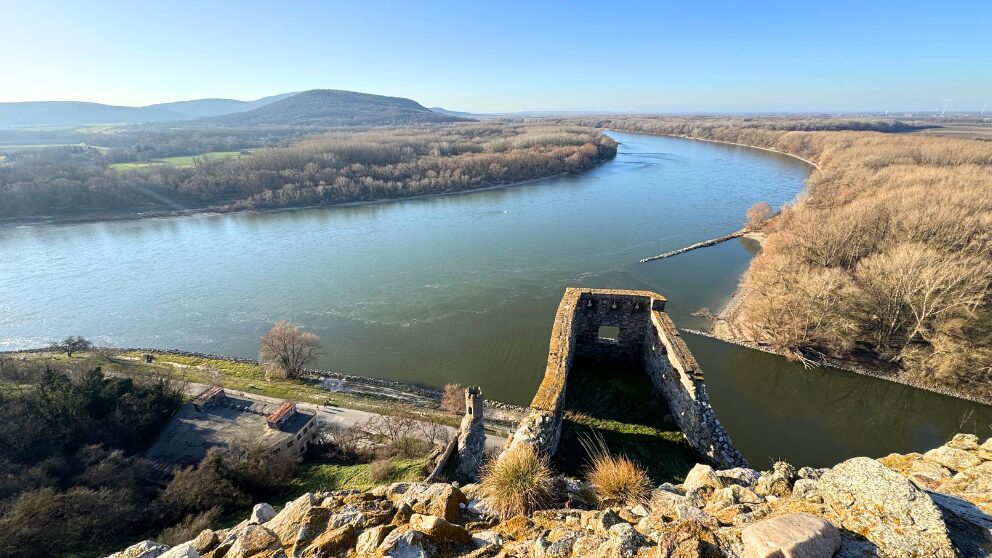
463,288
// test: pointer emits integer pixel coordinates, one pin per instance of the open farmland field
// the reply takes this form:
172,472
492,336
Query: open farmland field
184,161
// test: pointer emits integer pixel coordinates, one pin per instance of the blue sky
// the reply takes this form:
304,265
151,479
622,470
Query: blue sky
508,56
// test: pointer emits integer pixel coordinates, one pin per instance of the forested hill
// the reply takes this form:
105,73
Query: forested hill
200,108
76,113
73,113
330,107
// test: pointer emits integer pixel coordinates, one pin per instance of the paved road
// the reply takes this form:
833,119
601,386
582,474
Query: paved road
329,414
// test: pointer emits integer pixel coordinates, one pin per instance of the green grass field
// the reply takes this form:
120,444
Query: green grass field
185,161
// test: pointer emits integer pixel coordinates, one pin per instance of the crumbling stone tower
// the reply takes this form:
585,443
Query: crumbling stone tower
471,437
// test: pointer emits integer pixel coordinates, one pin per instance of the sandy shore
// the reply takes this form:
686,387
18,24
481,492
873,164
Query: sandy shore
723,324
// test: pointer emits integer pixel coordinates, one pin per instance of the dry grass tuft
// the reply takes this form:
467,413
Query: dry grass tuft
516,483
615,479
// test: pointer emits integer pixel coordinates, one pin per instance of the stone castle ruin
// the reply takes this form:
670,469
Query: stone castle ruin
629,327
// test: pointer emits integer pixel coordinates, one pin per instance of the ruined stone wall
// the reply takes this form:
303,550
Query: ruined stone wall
677,376
646,335
627,310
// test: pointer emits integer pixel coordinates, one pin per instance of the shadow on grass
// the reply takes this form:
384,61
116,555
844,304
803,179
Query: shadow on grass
618,402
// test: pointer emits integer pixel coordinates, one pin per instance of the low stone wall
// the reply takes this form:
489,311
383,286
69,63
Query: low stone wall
646,335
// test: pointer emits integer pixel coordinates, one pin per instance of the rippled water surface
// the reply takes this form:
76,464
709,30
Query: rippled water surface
463,288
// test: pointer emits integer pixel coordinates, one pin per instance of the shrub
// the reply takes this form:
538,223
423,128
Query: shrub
379,470
517,483
189,527
615,479
453,399
758,214
409,447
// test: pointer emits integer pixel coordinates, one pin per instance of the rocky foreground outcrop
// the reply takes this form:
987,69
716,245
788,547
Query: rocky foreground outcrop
937,504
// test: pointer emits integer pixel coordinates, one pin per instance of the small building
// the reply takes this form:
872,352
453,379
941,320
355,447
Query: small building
281,415
212,396
292,430
219,419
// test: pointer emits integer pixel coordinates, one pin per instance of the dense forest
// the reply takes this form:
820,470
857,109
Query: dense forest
72,481
887,255
336,167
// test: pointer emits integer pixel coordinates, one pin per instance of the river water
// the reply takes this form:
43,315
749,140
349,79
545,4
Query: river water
463,288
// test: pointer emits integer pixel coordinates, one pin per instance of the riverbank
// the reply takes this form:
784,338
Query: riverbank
724,329
212,210
725,326
681,136
247,375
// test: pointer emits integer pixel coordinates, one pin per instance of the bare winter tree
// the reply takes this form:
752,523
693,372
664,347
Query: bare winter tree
453,399
73,344
287,350
758,214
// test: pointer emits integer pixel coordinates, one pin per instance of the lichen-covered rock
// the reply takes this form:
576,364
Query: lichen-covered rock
739,475
254,539
736,494
404,543
599,521
331,542
778,481
665,503
928,474
953,458
561,546
967,442
487,537
623,542
440,530
184,550
688,539
294,515
797,535
261,513
206,541
517,528
143,549
702,477
715,513
438,499
809,473
370,539
885,508
804,488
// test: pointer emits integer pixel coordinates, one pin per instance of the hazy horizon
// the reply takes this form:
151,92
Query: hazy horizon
646,58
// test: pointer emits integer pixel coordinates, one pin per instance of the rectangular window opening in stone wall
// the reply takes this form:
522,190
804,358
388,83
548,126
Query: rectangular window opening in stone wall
609,333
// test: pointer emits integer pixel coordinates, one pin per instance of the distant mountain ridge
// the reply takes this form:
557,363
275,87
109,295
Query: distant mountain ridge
332,107
202,108
62,113
461,114
77,113
317,107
